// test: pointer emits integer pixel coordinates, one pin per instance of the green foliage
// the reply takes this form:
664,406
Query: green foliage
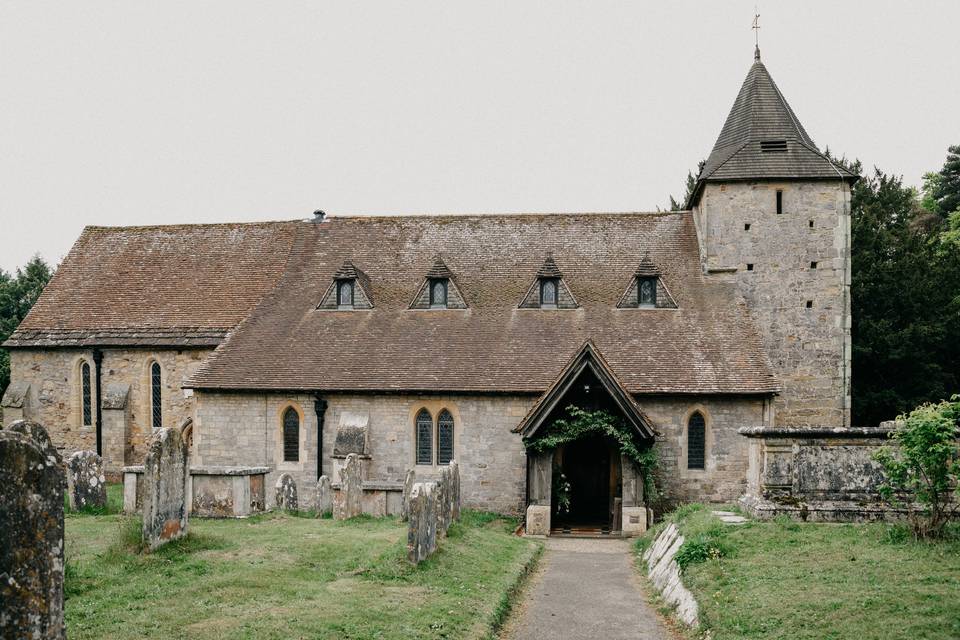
690,186
581,423
922,466
17,295
942,189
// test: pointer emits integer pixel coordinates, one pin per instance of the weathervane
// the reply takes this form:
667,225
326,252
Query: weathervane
756,31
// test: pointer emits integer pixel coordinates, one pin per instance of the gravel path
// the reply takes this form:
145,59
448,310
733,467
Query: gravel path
585,588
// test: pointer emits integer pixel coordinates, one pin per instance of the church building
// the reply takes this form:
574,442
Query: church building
416,340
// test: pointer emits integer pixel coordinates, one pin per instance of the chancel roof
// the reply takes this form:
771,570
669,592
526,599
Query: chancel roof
708,344
759,119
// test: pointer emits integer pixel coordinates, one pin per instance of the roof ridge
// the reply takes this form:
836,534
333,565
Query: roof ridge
187,225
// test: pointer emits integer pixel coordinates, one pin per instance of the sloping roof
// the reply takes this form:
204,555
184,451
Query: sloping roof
439,269
587,358
761,113
175,285
707,345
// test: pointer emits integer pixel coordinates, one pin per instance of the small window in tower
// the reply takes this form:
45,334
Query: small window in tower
345,294
773,146
746,226
749,266
809,304
647,292
548,293
811,223
779,201
813,265
438,293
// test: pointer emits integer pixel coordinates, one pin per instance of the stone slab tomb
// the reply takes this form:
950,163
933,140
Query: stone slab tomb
86,482
286,493
348,502
31,534
422,522
164,489
324,497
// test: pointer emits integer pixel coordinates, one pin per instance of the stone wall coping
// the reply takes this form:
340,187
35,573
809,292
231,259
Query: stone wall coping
211,471
817,432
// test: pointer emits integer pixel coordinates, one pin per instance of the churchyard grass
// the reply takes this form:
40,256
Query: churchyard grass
784,579
281,576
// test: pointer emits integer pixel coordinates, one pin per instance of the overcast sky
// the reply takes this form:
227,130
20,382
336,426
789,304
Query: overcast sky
135,112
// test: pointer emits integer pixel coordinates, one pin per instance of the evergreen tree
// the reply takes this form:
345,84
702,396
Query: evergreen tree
17,294
942,189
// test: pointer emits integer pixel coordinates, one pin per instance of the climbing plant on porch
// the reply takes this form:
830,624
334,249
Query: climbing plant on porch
580,422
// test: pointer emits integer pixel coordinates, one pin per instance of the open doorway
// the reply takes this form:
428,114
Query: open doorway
586,486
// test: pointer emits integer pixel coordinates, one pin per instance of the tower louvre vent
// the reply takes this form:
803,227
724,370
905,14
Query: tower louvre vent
773,146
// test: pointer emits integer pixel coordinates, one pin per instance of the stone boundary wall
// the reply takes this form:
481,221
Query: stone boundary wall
664,572
818,474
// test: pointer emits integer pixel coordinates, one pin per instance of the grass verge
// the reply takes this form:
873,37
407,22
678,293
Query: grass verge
783,579
278,576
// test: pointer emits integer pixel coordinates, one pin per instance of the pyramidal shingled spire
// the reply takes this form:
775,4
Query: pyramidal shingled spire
762,138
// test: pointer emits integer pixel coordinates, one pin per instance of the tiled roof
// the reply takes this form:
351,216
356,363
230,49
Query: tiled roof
707,345
549,269
761,114
439,269
177,285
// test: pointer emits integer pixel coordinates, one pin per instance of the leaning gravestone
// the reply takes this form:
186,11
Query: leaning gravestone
31,534
286,493
324,496
422,523
349,501
455,490
407,487
443,502
86,484
164,489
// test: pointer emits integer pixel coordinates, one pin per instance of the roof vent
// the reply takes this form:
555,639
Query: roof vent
319,215
773,146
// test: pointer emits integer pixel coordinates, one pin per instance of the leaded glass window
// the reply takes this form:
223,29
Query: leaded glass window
647,292
696,441
85,394
438,293
156,388
548,292
424,427
291,435
444,437
345,293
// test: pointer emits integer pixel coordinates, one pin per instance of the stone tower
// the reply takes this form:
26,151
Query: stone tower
773,218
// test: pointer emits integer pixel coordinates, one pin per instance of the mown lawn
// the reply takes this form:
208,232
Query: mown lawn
785,579
279,576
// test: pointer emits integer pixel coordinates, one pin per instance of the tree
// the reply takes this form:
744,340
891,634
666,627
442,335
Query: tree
681,205
942,189
922,466
17,296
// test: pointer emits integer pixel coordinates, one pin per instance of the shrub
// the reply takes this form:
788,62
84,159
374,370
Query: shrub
922,466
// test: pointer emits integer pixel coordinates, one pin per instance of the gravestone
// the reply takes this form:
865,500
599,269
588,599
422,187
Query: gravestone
455,490
422,523
164,489
408,481
86,484
349,500
324,496
31,534
443,502
286,493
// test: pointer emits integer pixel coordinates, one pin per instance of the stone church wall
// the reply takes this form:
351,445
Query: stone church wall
771,263
55,400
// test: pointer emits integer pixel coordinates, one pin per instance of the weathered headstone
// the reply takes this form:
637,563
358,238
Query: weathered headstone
164,489
422,524
349,500
31,534
324,496
443,502
408,481
286,493
455,490
86,484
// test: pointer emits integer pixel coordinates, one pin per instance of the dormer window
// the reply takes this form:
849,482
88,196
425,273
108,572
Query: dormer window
548,293
438,293
345,294
646,292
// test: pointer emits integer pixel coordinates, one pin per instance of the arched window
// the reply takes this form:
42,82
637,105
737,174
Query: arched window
444,437
647,292
548,292
85,402
424,427
696,441
156,388
345,293
438,293
291,435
